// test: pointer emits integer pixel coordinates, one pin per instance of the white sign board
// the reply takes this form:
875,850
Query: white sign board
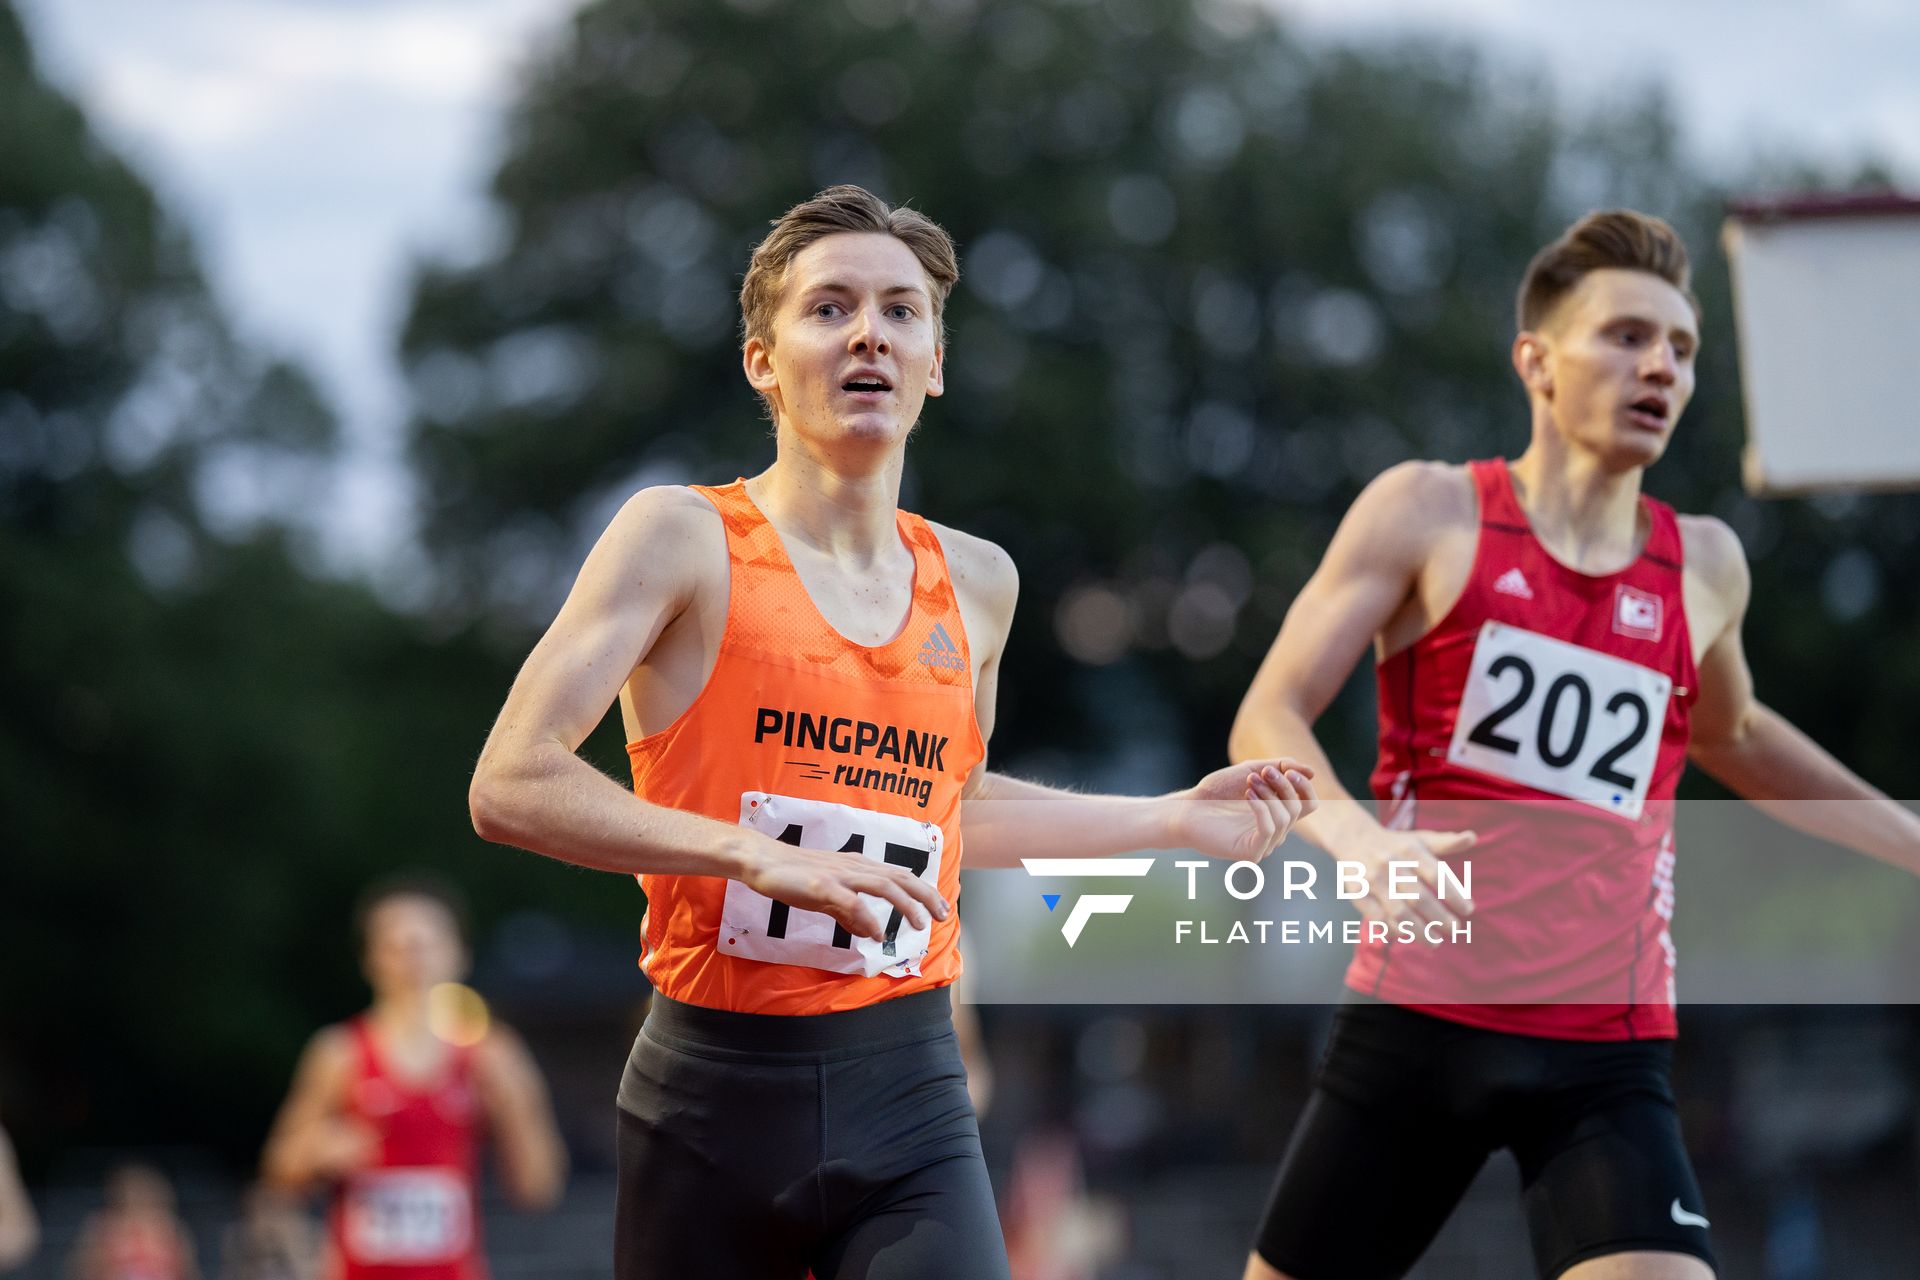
1827,307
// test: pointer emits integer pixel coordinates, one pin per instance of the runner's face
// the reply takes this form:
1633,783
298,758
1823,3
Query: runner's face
412,944
855,350
1618,359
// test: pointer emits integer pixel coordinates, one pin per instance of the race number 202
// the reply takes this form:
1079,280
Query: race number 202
1561,718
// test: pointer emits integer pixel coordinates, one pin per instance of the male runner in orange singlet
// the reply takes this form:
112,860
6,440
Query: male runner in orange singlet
391,1108
1552,646
806,674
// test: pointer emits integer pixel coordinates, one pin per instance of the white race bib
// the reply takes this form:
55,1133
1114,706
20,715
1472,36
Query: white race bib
758,928
1561,719
407,1216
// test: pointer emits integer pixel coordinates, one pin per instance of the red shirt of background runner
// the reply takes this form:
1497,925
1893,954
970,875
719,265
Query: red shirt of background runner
411,1215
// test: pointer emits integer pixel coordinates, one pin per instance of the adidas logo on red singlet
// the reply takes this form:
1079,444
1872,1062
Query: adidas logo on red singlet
1513,583
940,651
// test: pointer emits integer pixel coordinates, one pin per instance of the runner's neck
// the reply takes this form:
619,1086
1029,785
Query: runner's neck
850,519
402,1028
1586,517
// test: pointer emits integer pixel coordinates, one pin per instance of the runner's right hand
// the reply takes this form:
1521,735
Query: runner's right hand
832,882
1425,849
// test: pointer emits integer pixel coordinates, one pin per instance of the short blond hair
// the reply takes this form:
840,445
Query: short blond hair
837,209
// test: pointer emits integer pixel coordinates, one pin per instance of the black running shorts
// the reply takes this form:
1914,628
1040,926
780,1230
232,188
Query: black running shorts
766,1147
1407,1107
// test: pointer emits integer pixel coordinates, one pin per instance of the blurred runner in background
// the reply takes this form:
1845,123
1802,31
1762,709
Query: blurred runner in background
391,1108
137,1236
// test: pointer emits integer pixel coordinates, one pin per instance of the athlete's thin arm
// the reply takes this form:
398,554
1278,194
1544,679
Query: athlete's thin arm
533,1162
1370,569
1236,812
530,788
311,1139
1756,752
1231,813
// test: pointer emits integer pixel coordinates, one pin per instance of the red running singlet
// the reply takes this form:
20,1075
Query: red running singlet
414,1214
1548,712
141,1247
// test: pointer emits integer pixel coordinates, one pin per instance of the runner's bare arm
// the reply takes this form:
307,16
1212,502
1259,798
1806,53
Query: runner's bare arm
1370,570
19,1228
1755,751
1235,812
533,1162
312,1140
530,789
1239,812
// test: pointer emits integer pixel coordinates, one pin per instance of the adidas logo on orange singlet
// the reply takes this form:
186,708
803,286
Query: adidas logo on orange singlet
940,652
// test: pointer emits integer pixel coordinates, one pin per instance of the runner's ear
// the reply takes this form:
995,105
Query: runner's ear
1530,361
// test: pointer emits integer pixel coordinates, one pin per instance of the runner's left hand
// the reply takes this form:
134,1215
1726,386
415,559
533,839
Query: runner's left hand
1243,811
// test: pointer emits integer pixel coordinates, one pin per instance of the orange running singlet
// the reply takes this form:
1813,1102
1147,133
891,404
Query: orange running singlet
821,743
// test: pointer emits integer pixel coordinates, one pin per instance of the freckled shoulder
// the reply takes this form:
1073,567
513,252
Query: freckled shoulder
670,510
983,574
667,531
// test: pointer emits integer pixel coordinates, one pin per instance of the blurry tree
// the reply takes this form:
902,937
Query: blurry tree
203,754
1214,280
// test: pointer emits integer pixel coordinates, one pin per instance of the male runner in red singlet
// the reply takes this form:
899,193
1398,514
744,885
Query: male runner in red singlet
1552,646
806,674
137,1234
392,1107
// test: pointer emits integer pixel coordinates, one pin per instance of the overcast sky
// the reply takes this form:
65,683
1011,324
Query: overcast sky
318,146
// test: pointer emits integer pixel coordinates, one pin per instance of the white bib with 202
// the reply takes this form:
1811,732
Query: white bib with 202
1561,718
407,1216
755,927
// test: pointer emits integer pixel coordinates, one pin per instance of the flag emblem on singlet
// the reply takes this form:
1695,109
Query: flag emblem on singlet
1636,613
940,651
